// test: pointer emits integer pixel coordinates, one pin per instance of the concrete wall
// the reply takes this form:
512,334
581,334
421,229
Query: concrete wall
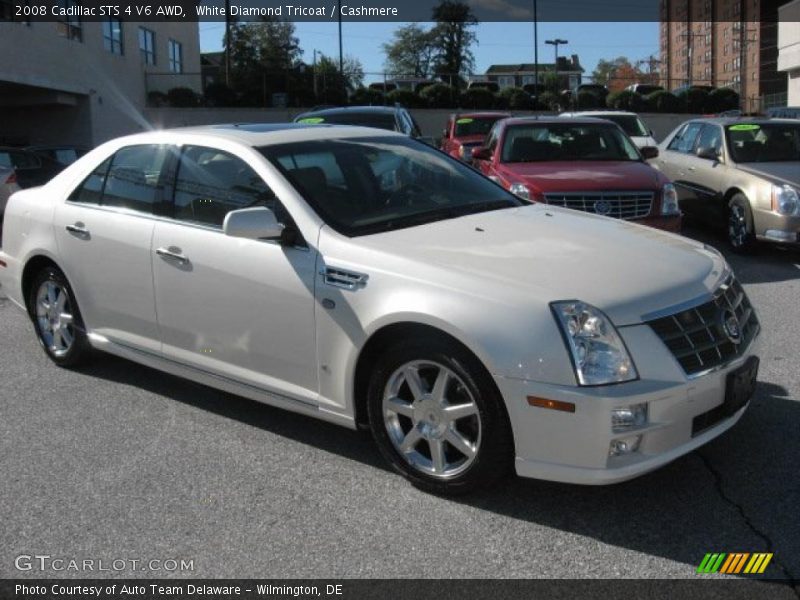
41,62
432,121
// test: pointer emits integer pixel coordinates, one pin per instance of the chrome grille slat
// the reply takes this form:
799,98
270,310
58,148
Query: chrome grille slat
695,336
621,205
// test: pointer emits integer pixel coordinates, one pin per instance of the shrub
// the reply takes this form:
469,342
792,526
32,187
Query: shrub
722,99
182,97
663,101
439,95
626,100
477,98
219,94
157,99
549,101
694,100
405,98
515,99
367,97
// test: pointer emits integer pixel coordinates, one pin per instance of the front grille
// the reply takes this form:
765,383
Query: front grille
620,205
698,338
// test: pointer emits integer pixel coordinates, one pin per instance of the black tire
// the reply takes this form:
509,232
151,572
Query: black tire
62,354
740,225
494,451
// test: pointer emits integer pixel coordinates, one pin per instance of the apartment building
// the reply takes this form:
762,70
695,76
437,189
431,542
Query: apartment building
84,82
723,43
789,49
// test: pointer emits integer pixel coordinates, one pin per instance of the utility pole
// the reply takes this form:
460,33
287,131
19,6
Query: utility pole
341,57
535,49
315,75
228,42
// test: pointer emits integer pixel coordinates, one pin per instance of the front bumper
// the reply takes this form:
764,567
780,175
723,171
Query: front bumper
772,227
672,223
574,447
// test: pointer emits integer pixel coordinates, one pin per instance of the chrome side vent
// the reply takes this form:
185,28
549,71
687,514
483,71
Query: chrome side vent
341,278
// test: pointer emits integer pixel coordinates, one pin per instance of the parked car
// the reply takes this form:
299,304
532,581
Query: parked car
644,88
30,168
471,331
581,163
686,87
492,86
630,122
8,185
65,154
784,112
743,174
570,97
390,118
466,131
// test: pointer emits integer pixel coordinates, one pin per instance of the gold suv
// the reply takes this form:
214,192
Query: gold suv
743,173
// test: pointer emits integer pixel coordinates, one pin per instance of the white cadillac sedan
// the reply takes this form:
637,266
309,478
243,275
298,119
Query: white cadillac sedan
364,278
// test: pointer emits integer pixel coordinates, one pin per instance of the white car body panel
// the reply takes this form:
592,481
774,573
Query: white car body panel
259,319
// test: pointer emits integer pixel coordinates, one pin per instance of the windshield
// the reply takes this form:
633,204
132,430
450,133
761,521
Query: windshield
368,185
764,142
466,126
631,124
538,142
376,120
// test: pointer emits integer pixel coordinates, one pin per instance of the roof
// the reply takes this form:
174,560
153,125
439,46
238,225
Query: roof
261,134
388,110
565,65
551,120
485,114
743,120
591,113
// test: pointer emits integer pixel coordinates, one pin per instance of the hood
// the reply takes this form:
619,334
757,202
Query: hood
778,172
580,176
545,254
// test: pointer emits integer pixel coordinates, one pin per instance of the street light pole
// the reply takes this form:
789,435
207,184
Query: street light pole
341,58
556,43
535,49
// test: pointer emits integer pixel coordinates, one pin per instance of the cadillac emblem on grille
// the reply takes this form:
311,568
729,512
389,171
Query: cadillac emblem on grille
730,325
602,207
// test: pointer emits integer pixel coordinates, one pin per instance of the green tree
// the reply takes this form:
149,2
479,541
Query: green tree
411,51
453,37
330,85
605,70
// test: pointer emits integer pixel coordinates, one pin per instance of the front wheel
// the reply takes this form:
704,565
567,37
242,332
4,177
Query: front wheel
438,418
740,225
57,320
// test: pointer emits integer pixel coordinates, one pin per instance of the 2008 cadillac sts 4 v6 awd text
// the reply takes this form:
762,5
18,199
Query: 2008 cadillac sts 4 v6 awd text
367,279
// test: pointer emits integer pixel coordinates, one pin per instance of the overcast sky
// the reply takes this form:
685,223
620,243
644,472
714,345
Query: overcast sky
497,42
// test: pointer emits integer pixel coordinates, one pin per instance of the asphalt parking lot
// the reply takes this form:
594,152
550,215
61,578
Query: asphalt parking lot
119,461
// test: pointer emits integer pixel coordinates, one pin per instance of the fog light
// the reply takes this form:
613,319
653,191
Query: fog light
780,236
624,445
630,417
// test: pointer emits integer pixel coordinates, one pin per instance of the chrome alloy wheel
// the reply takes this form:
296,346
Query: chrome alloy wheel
432,419
737,226
54,317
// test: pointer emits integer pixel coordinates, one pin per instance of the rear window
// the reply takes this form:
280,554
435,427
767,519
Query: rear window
376,120
474,126
631,124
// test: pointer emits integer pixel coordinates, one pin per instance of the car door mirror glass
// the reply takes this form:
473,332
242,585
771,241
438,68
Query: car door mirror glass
707,152
649,152
482,153
258,223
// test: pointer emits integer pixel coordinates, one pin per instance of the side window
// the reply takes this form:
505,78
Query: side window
210,183
710,137
91,189
684,140
134,179
491,140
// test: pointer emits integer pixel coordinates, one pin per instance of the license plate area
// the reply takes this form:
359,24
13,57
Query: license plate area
740,385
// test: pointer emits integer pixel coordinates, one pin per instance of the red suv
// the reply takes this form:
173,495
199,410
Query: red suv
584,164
467,131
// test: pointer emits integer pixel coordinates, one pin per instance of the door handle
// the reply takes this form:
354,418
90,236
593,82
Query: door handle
172,252
78,229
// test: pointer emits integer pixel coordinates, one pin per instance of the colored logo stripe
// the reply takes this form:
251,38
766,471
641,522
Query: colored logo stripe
734,563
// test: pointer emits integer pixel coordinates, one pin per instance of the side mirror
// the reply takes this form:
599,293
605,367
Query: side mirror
649,152
482,153
707,152
258,223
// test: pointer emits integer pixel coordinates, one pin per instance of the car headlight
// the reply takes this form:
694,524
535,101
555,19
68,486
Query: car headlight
521,190
598,353
669,200
785,200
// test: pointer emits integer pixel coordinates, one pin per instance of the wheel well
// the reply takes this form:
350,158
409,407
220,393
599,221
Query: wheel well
32,267
730,194
378,343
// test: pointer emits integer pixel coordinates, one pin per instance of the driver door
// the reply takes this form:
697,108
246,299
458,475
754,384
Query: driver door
239,308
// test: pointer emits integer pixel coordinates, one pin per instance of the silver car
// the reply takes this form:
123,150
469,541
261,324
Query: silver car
471,331
741,173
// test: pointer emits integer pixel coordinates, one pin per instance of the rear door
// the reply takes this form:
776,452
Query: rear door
674,164
705,176
104,230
